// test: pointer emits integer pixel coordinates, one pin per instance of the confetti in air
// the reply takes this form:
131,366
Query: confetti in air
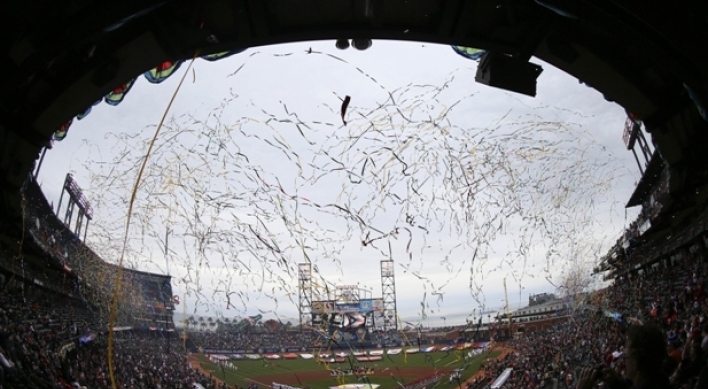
234,197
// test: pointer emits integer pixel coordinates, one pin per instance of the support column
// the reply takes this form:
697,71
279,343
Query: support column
388,292
305,293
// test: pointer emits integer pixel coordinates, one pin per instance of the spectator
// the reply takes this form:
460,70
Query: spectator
645,354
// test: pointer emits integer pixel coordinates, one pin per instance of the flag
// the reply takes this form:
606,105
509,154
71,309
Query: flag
60,134
162,72
469,52
117,95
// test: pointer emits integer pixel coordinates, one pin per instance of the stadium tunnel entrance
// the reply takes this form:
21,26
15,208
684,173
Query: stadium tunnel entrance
61,58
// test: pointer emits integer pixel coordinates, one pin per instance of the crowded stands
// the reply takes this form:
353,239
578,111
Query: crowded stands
669,295
55,342
52,335
253,340
53,325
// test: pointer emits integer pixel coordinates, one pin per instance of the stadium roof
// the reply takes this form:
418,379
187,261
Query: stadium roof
61,57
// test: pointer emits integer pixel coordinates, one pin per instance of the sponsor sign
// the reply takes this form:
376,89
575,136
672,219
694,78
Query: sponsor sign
348,308
217,351
369,358
333,360
370,305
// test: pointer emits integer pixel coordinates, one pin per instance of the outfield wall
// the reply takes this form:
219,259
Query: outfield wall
275,350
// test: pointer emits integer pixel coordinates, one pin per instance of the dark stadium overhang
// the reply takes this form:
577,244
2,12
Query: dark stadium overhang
649,180
61,57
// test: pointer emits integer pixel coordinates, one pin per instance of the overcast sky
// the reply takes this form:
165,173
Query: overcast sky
226,125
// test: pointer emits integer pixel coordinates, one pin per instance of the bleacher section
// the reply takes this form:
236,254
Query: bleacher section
53,324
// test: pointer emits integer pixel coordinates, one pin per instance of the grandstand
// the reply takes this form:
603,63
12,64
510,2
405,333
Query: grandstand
667,287
61,314
49,275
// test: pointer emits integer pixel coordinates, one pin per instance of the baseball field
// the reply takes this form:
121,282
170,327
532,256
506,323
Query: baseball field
392,371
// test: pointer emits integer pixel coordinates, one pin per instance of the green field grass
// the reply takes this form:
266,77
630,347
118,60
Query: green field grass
401,368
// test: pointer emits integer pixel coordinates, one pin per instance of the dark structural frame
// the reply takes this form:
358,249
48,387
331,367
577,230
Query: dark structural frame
62,56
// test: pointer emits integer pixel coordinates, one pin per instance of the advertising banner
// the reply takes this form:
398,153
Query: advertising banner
216,351
348,308
370,305
250,351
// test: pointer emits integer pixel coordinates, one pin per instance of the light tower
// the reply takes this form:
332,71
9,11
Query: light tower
388,291
305,293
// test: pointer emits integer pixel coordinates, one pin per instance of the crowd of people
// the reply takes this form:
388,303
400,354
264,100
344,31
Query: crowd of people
252,338
243,339
650,325
664,307
50,341
141,361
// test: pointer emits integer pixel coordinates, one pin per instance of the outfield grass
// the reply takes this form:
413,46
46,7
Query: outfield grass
261,371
